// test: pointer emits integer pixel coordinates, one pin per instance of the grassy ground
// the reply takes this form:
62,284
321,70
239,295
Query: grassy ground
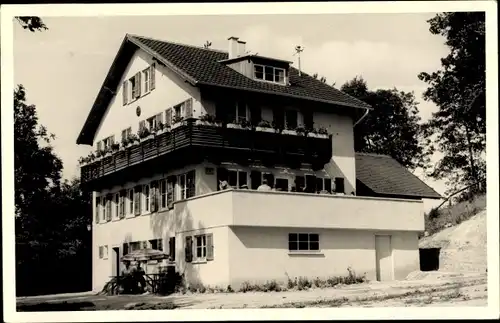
454,214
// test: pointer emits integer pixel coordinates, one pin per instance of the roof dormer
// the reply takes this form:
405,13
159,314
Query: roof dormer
258,68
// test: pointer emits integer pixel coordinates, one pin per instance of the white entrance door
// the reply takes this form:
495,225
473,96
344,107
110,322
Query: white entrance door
383,254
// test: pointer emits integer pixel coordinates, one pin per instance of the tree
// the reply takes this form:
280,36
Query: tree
458,128
392,127
32,23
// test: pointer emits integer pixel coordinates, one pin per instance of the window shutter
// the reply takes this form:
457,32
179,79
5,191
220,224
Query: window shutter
256,179
125,249
108,207
168,117
125,92
189,249
152,79
97,209
123,194
188,108
171,248
171,190
210,246
137,200
154,196
138,84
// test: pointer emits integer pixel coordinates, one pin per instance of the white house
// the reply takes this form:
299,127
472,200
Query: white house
204,116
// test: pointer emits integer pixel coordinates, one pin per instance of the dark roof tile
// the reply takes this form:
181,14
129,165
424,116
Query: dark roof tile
384,175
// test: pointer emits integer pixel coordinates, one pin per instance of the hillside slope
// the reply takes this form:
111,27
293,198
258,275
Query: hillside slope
463,247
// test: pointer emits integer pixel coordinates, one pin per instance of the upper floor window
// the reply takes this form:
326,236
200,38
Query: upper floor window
107,142
126,133
241,111
269,74
291,117
147,195
187,185
146,76
132,87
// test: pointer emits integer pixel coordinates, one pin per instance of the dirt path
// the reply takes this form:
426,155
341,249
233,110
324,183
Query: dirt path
431,289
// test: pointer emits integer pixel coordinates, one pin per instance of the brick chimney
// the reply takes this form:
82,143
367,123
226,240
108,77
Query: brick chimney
233,47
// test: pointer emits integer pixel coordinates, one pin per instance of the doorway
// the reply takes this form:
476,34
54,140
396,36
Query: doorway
383,254
115,261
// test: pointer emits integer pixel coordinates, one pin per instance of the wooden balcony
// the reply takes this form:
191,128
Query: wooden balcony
191,143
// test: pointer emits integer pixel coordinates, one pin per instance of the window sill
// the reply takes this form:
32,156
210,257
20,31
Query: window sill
198,262
305,253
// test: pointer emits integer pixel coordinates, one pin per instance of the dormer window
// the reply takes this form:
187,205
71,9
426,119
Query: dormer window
269,74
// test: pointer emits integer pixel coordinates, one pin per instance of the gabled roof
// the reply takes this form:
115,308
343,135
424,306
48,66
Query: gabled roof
384,175
199,66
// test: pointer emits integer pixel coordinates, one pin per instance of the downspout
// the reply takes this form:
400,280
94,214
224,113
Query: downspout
361,119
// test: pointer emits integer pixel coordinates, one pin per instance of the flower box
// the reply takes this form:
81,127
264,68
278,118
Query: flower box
147,138
289,132
265,129
203,123
322,135
317,135
234,126
177,124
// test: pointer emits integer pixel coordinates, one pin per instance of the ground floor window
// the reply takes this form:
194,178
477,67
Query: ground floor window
237,178
199,248
187,186
156,244
303,242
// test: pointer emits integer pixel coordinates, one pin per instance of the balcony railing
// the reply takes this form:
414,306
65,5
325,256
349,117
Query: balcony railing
218,142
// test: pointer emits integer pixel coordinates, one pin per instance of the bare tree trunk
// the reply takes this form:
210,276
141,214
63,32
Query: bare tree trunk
471,154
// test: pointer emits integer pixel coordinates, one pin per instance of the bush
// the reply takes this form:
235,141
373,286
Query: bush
303,283
272,286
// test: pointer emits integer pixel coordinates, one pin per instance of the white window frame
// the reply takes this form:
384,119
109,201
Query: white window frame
130,201
323,184
146,74
238,171
182,190
202,247
146,198
298,250
275,69
163,186
151,123
103,208
107,142
159,242
247,113
126,132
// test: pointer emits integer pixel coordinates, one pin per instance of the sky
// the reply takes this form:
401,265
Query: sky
63,68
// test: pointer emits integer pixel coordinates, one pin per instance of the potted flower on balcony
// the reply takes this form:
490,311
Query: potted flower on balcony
300,130
115,147
205,120
235,124
264,126
144,134
289,130
159,128
322,132
108,151
99,154
177,121
245,124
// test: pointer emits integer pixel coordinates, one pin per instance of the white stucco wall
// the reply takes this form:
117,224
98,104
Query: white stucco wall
261,254
169,91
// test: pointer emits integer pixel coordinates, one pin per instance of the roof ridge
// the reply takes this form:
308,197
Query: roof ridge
178,43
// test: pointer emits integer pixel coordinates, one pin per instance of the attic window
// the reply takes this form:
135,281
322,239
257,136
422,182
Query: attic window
269,74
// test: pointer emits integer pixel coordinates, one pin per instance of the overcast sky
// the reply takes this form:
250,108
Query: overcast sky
63,68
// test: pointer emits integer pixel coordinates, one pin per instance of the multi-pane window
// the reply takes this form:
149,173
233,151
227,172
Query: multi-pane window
269,74
323,185
146,191
200,247
146,75
121,209
108,207
107,142
136,245
339,185
237,178
241,111
303,242
187,185
126,133
163,194
103,208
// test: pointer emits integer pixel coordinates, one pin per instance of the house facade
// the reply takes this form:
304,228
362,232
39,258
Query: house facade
172,122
